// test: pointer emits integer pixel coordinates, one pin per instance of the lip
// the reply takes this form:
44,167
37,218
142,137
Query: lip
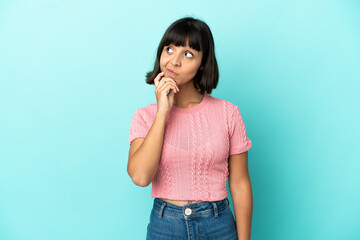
171,72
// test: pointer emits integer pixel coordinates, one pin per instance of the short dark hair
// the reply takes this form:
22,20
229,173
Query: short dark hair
200,38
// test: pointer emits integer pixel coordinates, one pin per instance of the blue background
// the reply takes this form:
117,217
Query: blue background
72,73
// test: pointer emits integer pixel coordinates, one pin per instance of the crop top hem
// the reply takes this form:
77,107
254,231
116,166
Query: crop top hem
216,198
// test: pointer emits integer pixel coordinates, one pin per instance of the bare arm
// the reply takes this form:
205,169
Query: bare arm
241,194
144,154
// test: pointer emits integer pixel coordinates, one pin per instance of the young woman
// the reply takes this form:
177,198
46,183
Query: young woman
189,143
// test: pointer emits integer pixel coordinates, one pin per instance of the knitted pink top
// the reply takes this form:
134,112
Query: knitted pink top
197,144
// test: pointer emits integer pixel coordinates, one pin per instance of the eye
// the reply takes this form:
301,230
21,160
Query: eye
191,55
169,48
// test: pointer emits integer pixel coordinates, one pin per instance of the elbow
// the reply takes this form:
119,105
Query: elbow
141,182
138,179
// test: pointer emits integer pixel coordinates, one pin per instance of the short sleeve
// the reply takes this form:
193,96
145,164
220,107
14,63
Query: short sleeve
239,142
138,127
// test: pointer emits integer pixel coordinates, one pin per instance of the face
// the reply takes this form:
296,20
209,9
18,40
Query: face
183,61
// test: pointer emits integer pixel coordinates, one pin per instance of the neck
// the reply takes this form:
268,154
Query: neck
188,96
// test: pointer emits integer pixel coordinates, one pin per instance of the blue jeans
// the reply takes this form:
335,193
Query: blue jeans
203,220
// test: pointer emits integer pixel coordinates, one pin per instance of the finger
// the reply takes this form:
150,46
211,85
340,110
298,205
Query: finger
161,83
170,89
169,79
157,79
165,79
166,89
165,83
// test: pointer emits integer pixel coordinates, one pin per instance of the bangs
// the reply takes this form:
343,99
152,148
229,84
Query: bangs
180,33
196,34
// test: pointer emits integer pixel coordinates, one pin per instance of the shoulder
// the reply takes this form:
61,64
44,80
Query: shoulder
227,105
147,109
147,112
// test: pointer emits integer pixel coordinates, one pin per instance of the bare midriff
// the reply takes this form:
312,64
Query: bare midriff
179,202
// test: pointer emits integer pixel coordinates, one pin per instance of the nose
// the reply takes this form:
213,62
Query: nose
175,60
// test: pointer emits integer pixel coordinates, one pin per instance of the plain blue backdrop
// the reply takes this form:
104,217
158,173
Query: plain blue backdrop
72,74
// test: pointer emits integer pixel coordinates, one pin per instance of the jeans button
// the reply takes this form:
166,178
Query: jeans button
188,211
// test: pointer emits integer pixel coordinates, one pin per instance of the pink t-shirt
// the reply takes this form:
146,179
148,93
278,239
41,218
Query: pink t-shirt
197,144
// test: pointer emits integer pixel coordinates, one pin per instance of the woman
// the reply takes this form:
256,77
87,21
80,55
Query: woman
189,143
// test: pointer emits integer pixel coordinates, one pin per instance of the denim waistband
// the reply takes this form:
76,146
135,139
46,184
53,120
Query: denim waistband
189,210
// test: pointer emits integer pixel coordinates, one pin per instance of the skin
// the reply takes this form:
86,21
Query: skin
241,193
180,60
186,65
186,62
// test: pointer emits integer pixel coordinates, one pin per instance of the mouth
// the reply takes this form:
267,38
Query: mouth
172,73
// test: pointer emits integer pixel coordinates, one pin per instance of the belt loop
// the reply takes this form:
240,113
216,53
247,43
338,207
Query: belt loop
162,209
228,202
215,209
